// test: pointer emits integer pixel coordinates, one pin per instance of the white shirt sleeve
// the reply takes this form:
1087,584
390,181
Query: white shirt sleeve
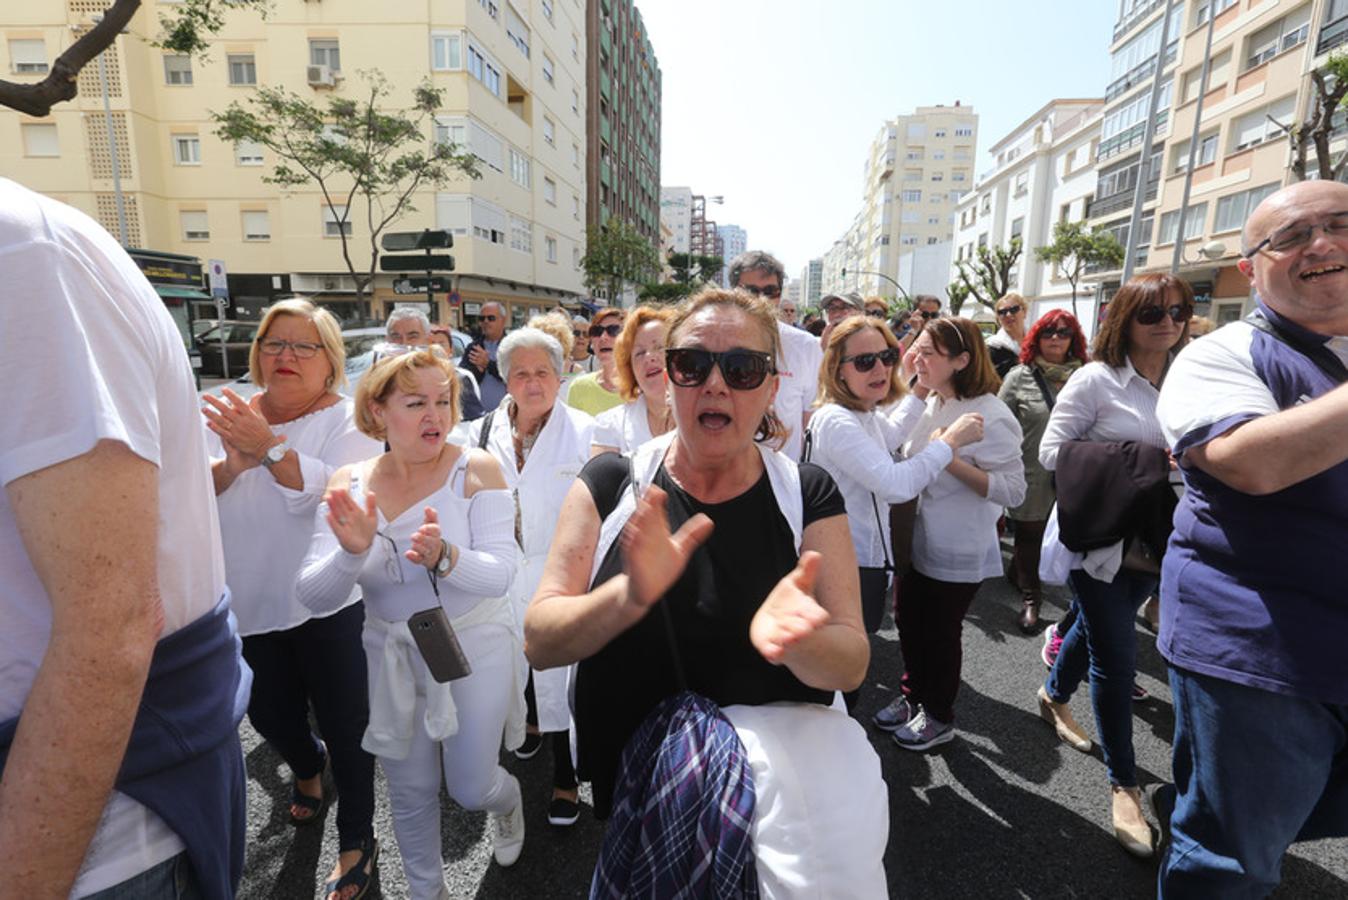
1212,387
999,455
843,445
328,573
1073,414
903,418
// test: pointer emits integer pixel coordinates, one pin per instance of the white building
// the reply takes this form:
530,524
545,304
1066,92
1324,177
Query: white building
926,269
676,211
735,241
811,282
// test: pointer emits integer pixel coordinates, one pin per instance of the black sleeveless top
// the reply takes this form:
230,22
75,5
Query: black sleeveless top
711,607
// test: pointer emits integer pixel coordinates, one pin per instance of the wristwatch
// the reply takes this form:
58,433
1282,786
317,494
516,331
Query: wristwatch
443,566
275,454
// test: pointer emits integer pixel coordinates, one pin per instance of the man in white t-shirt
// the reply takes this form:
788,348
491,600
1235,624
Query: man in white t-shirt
798,364
121,685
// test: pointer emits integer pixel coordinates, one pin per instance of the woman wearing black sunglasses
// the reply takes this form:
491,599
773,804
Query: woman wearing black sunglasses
597,391
1052,351
710,579
1112,399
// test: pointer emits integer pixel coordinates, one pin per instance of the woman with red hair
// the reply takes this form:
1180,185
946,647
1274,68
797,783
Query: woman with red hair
1051,352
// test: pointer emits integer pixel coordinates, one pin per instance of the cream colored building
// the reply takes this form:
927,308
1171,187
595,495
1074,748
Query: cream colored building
513,76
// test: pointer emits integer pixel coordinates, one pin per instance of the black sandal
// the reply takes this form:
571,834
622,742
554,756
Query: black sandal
315,805
359,876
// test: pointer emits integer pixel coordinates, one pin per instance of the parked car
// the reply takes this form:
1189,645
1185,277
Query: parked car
238,340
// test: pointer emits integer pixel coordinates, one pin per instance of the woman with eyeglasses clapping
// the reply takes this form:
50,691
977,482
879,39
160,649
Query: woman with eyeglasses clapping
427,531
275,453
1052,351
596,392
640,357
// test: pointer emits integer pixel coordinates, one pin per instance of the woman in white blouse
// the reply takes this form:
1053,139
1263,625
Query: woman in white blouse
955,544
1111,399
639,369
427,530
274,455
541,445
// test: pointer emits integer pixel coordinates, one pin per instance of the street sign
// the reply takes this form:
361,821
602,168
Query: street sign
438,262
435,285
217,275
429,239
455,298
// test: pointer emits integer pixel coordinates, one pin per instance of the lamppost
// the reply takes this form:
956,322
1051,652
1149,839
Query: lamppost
906,295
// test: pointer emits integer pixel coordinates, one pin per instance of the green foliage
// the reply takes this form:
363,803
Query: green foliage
358,152
616,254
956,293
669,292
192,23
1317,131
987,276
1075,248
693,269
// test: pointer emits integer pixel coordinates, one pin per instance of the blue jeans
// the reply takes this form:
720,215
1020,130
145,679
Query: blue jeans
1102,642
172,879
1254,771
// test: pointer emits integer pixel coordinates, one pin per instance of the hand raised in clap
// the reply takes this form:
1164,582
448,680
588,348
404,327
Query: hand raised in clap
790,613
427,544
353,526
653,559
238,424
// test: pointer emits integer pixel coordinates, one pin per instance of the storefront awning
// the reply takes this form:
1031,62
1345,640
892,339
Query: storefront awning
180,293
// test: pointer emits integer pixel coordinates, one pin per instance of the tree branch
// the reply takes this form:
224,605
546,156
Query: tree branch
59,85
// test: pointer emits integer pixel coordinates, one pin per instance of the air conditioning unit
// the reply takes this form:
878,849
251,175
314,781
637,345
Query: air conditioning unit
321,76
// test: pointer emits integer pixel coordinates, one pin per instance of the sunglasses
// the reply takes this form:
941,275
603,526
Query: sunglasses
578,334
1150,315
489,318
772,293
611,330
743,370
864,362
928,314
877,313
1009,310
1056,333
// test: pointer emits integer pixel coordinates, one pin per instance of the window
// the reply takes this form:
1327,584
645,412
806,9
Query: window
908,240
575,155
1134,112
964,131
335,222
177,69
521,235
1022,183
465,215
550,191
549,131
490,6
1207,7
914,155
547,10
550,245
1233,210
938,176
186,150
247,153
575,101
325,53
446,52
549,69
242,68
575,46
959,175
912,174
939,154
940,132
910,217
484,69
467,134
1282,35
40,140
1193,224
916,131
1257,127
520,168
256,225
575,207
28,57
933,240
1207,152
911,196
1017,226
517,31
963,153
933,220
195,225
575,258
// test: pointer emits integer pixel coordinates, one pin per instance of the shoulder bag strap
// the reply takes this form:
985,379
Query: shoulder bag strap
1324,359
1040,380
486,431
880,531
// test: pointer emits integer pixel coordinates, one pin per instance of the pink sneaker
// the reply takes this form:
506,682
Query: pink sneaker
1052,644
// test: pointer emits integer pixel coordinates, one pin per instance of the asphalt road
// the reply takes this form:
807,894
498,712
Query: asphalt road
1005,811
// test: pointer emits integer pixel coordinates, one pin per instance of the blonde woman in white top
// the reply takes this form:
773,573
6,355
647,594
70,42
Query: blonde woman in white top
428,527
955,544
640,373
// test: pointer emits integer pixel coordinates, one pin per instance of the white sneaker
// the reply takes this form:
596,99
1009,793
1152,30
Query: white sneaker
895,715
508,840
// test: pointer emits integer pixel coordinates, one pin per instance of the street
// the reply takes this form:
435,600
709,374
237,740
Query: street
1006,810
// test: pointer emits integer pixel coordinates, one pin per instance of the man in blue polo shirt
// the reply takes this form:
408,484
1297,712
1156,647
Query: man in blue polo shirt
1254,618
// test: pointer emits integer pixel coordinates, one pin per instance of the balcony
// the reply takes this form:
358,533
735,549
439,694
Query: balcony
1131,137
1126,25
1140,73
1332,35
1103,206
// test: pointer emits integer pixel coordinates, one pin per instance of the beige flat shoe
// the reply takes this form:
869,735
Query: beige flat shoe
1130,825
1059,715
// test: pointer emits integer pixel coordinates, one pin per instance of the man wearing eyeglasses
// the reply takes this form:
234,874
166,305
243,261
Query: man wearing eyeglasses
408,326
928,308
481,356
762,274
1004,346
1253,617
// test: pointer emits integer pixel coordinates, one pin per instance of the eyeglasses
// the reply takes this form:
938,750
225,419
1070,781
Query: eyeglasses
743,370
864,362
772,293
929,315
1056,333
393,566
877,313
578,334
1008,311
489,317
610,330
1299,234
1150,315
302,349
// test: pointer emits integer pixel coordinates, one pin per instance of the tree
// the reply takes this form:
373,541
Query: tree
1331,90
357,153
185,30
693,269
987,276
616,254
957,293
669,292
1075,249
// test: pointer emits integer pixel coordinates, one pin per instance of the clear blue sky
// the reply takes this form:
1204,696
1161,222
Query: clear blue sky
773,103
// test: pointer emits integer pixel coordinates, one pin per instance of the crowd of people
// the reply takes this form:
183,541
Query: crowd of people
657,542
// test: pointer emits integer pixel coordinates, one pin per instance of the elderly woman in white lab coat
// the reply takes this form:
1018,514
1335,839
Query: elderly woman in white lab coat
541,444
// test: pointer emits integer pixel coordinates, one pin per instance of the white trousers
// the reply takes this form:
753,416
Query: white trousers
467,761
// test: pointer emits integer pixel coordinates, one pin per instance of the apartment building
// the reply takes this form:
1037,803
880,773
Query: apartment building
811,282
1043,173
676,212
734,241
513,73
623,117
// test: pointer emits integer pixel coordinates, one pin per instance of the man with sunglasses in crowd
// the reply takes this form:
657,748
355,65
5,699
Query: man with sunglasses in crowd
928,307
481,356
1004,346
1253,617
760,273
